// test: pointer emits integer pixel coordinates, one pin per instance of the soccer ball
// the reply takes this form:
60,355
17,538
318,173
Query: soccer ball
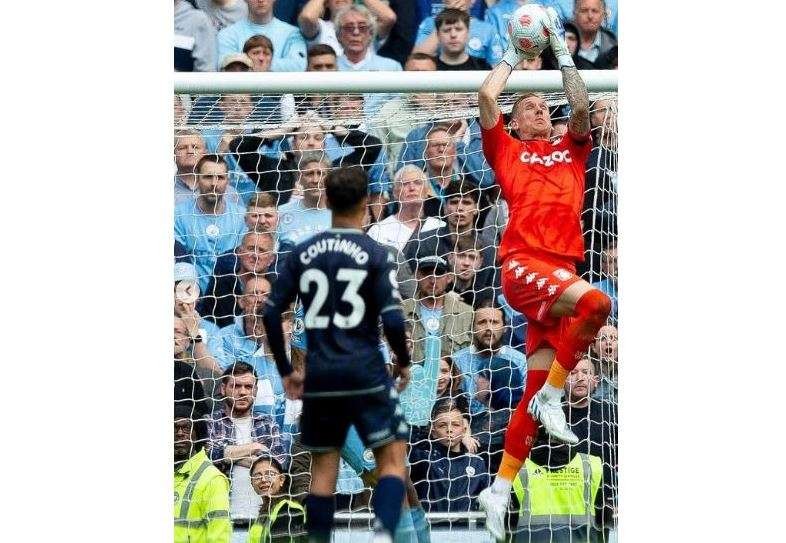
528,29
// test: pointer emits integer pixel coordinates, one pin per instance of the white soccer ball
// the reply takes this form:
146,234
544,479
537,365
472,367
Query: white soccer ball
528,29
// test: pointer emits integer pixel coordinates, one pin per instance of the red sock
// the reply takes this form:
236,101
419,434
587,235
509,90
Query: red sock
590,315
522,428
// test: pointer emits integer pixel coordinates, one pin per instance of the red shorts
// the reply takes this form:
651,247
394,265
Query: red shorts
531,286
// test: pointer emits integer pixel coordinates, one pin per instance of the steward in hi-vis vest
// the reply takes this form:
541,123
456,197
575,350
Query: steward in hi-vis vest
201,491
290,526
557,497
281,519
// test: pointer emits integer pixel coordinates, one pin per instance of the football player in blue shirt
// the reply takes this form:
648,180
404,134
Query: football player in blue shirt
347,282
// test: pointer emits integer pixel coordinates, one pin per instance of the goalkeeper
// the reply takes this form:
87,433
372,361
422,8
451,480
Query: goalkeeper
543,184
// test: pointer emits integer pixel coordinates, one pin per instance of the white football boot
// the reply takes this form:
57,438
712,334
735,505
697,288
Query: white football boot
548,411
496,507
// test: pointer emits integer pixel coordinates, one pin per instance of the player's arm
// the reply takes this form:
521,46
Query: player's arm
389,302
495,83
575,89
489,92
279,301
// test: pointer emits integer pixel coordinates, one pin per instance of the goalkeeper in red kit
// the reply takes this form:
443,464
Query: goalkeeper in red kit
543,184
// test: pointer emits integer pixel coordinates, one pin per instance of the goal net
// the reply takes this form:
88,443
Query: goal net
435,205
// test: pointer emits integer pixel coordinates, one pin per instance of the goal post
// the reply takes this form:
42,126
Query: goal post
390,123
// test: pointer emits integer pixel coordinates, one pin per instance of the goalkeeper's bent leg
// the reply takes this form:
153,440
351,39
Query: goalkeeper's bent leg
590,314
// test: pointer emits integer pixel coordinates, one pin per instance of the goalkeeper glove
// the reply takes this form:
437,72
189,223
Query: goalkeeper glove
513,55
557,40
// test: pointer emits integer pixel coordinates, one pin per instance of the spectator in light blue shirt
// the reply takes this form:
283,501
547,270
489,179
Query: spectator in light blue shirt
491,371
289,47
301,218
235,109
357,27
499,14
245,341
484,41
209,225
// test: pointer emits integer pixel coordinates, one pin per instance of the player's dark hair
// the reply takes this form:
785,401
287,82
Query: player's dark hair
449,16
345,188
238,368
320,49
218,159
461,187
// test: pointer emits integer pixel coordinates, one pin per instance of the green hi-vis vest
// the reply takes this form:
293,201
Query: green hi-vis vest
260,533
563,497
201,502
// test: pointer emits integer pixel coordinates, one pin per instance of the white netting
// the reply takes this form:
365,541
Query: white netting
269,143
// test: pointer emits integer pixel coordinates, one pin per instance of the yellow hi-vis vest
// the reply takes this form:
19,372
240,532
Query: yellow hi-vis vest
201,502
563,497
260,533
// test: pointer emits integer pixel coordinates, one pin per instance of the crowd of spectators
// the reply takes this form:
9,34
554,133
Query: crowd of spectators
376,35
244,197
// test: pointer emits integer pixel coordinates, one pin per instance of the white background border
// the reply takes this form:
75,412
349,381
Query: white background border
87,271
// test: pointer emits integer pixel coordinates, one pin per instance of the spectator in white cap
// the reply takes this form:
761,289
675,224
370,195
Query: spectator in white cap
237,62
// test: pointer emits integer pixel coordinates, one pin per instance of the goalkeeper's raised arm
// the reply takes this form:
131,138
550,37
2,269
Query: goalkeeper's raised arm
575,89
493,86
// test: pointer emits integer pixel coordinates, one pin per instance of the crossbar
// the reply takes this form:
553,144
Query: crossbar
367,82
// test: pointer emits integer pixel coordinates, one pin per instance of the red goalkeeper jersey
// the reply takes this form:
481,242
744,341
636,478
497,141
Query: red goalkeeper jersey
543,184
